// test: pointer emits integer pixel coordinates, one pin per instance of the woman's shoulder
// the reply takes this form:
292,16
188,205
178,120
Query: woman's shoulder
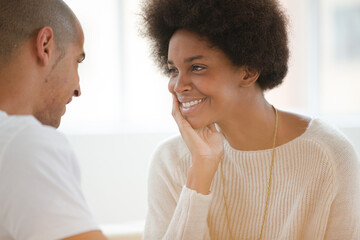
292,126
171,151
329,144
334,142
173,145
341,153
313,131
316,131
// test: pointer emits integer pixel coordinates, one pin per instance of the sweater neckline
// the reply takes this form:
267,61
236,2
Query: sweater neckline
227,145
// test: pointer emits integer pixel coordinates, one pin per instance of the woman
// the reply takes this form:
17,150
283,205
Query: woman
242,169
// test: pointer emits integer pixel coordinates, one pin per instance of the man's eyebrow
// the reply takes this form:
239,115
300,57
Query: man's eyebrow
82,55
190,59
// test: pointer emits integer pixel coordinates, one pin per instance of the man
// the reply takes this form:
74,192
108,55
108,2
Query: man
41,44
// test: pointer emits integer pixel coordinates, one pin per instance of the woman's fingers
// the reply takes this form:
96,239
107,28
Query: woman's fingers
213,128
206,141
187,132
206,147
179,119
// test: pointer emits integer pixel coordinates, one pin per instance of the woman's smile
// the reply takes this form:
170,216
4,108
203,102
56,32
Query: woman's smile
208,93
191,106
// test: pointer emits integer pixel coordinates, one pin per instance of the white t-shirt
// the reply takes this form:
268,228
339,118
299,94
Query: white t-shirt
40,192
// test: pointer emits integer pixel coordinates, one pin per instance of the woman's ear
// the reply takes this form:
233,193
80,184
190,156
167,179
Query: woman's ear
248,76
45,45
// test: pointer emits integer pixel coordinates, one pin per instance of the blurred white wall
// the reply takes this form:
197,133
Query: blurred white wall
114,170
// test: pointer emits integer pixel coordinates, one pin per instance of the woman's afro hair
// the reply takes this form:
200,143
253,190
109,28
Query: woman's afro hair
251,33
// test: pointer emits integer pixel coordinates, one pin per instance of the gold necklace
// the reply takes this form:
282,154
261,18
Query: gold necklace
269,183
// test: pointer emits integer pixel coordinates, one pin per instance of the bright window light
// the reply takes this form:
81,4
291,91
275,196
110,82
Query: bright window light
123,91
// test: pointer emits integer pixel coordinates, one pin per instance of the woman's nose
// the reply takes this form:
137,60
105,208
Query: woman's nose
180,84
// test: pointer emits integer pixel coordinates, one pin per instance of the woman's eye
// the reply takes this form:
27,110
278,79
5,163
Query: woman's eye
197,68
172,70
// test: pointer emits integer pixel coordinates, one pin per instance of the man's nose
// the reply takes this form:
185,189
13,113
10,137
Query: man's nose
77,91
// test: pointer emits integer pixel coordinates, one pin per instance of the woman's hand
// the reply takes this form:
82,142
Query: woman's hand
206,148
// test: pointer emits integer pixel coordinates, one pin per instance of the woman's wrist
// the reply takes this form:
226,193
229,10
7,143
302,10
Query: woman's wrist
198,183
201,175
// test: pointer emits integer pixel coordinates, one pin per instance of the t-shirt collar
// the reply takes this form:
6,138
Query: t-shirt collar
3,114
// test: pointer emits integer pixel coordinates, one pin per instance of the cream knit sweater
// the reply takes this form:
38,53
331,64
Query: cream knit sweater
315,192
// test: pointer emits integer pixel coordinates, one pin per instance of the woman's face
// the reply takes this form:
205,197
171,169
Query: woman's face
204,80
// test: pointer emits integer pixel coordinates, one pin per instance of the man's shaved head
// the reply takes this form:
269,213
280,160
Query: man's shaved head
22,19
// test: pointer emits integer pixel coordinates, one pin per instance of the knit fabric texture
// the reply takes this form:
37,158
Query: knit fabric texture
315,192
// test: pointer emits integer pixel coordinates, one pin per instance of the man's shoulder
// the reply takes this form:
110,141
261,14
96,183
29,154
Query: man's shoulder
10,126
39,168
24,136
27,128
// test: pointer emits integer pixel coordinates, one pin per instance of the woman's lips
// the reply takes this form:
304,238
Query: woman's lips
190,106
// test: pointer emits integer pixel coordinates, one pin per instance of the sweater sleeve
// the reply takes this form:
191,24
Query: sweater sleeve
344,219
174,211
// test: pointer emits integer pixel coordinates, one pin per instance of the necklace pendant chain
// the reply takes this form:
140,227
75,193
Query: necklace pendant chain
268,187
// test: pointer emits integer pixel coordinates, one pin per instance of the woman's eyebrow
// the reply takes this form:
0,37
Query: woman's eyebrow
190,59
187,60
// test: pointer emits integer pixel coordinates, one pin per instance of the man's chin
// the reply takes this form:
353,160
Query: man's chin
52,123
64,111
55,123
48,120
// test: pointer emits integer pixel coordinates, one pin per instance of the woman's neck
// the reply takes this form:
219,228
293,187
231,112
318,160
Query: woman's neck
251,126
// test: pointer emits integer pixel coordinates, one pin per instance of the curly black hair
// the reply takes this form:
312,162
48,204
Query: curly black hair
251,33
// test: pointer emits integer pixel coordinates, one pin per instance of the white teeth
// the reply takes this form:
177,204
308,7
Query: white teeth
192,103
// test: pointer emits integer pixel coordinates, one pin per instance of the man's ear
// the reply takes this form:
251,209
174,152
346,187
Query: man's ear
248,77
45,45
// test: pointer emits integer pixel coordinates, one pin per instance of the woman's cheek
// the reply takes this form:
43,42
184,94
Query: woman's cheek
171,86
